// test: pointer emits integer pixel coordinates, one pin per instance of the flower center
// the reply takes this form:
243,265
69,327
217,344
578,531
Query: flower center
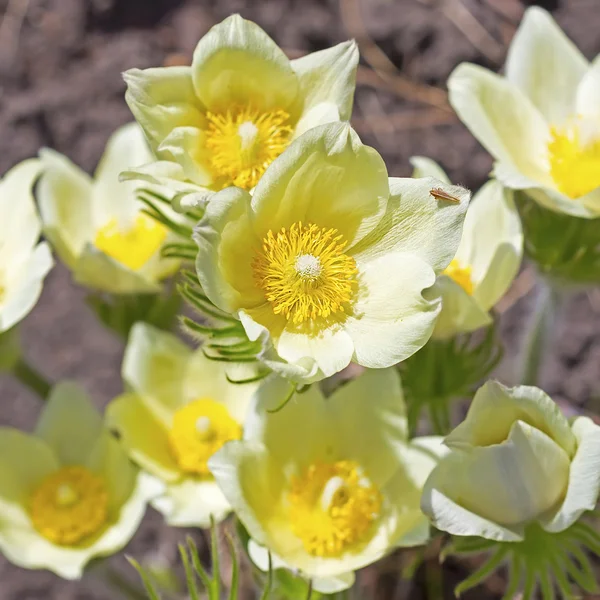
574,153
304,272
134,247
69,505
243,142
332,507
199,430
460,274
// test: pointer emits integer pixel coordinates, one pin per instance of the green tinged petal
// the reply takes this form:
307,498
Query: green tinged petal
425,167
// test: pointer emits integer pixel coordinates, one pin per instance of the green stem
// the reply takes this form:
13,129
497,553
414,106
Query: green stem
26,374
121,584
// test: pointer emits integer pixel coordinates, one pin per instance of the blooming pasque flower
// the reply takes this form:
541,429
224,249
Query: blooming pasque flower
487,259
68,493
515,460
328,257
328,485
180,410
542,121
97,225
23,261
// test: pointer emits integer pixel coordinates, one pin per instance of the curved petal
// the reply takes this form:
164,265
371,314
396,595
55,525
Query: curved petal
329,76
64,194
495,408
584,478
546,65
70,424
143,436
425,167
391,317
588,92
418,223
186,146
502,118
326,177
192,503
320,114
162,99
236,62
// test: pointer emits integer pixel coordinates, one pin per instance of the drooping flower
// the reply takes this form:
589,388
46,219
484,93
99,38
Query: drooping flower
487,259
328,486
542,121
23,261
240,104
97,225
329,261
180,410
68,493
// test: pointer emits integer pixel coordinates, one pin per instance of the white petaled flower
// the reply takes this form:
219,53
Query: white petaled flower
514,461
329,261
541,122
487,260
180,410
225,118
68,492
24,262
328,486
97,225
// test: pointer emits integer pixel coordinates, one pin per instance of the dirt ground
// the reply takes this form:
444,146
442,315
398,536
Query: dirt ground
60,86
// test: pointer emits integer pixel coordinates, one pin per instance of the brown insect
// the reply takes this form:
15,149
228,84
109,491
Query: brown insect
440,194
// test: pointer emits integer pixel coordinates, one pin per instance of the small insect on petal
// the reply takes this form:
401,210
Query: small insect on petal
440,194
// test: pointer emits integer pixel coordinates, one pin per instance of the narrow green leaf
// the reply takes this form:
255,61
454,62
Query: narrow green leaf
269,583
189,573
482,573
515,575
285,400
214,550
235,568
148,585
200,570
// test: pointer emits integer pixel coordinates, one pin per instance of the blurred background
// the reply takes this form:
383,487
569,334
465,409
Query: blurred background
61,86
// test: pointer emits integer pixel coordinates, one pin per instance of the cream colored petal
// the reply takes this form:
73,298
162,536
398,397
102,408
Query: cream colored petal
502,118
237,63
425,167
70,424
326,177
143,436
418,223
162,99
584,478
155,366
320,114
545,65
392,317
461,313
494,410
329,76
192,503
588,92
226,247
64,194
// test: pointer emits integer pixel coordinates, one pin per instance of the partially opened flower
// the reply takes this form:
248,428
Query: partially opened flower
68,493
179,411
23,261
514,461
328,486
542,121
487,259
240,104
97,225
329,261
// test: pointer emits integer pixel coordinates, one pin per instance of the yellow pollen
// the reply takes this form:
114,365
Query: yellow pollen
200,429
304,272
134,247
243,142
332,507
574,160
69,506
461,275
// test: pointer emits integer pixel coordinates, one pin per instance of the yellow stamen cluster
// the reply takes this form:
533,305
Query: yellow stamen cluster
243,142
200,429
304,272
69,506
332,507
461,275
133,247
574,161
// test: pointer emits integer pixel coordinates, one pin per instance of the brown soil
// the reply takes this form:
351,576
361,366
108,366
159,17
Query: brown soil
60,86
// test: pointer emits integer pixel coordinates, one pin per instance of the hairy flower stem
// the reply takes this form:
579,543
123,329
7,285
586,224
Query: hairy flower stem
29,376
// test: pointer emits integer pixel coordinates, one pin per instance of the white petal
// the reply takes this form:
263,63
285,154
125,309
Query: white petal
426,167
187,147
588,93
